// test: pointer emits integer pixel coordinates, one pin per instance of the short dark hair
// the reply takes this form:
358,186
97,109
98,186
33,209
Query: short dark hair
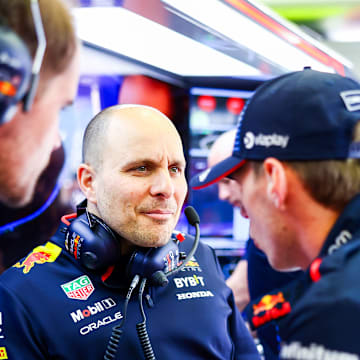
95,138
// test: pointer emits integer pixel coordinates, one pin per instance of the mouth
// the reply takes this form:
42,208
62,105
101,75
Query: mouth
243,212
159,214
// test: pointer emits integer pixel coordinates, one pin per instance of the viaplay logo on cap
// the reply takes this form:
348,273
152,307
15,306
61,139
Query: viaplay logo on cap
251,140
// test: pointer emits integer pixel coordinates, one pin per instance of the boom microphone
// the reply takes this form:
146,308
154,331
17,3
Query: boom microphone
192,216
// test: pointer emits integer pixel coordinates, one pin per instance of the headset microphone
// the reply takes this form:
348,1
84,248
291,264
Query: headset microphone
192,216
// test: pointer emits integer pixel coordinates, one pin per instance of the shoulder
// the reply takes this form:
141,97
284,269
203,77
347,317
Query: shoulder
332,302
32,268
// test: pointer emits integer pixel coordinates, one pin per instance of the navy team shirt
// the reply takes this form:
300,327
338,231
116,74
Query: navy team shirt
52,308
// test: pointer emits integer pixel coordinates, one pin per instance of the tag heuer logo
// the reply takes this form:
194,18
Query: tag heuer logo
80,288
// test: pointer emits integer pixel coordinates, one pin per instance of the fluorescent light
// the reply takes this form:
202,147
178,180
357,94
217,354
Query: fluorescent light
245,31
342,30
126,33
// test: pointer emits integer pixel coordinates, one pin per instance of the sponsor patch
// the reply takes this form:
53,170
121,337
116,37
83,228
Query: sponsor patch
343,238
79,289
270,307
251,140
103,322
194,295
189,281
192,265
99,306
351,99
3,353
297,351
40,255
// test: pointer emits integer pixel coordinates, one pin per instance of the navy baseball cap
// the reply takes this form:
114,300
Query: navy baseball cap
303,115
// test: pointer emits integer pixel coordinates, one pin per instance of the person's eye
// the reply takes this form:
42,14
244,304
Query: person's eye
175,170
142,168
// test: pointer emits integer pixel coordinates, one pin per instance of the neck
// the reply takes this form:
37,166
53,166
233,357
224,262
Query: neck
312,227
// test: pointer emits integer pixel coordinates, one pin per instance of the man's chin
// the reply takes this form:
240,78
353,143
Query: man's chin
17,199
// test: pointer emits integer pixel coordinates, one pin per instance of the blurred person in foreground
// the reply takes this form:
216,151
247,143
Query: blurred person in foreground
33,91
29,130
253,276
122,241
296,162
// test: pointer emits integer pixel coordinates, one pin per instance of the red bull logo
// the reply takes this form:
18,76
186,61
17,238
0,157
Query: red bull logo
40,255
268,302
3,354
270,307
192,263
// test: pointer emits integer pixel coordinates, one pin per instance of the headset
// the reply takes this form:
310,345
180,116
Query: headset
19,75
97,247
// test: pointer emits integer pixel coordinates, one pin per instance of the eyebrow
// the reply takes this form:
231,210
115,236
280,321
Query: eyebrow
67,104
147,161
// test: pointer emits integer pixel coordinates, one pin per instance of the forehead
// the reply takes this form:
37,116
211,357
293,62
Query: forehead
143,134
239,174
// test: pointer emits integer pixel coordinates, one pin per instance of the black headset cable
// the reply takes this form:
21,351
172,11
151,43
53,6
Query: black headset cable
117,331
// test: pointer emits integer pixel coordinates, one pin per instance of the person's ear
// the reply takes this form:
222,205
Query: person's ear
276,182
86,181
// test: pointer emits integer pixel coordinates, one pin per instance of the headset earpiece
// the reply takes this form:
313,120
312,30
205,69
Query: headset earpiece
154,263
15,72
94,244
97,247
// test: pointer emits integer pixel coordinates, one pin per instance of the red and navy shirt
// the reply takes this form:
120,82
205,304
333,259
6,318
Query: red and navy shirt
52,308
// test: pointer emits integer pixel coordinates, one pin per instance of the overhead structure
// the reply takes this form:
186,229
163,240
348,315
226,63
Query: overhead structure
189,40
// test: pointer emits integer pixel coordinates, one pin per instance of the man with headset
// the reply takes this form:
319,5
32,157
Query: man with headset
73,297
39,59
296,163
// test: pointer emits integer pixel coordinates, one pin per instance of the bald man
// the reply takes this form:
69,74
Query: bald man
122,240
253,275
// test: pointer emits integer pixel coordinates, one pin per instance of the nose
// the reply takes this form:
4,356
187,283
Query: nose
57,141
162,184
223,192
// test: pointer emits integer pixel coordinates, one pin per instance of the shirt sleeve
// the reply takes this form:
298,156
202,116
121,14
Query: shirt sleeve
18,334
